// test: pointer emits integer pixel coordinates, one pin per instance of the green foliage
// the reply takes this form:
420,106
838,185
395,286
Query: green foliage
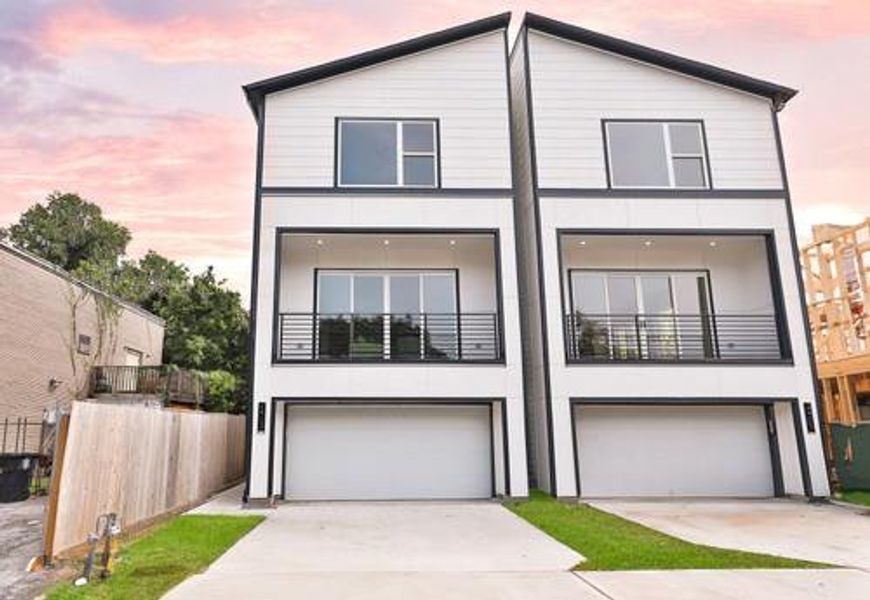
68,231
161,559
223,392
610,543
206,325
861,497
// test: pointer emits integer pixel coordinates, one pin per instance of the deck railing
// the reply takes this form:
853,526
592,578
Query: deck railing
646,337
381,337
171,384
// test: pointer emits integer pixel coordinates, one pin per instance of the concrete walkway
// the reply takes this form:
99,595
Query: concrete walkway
461,550
20,541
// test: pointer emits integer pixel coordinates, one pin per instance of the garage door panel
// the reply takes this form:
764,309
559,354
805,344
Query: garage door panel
388,452
673,451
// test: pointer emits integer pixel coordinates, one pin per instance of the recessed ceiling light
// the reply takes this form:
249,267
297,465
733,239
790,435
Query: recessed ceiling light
713,244
648,243
582,242
386,242
452,242
319,242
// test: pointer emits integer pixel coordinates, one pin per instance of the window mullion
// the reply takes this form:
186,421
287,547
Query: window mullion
666,131
400,155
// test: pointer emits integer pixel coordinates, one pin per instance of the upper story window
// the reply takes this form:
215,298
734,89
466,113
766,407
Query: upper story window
656,154
387,152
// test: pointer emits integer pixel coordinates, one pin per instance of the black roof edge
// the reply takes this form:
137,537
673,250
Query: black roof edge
778,94
257,90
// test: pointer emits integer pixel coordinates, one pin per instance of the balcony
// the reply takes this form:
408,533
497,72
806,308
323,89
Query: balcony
400,298
646,337
674,298
160,384
424,337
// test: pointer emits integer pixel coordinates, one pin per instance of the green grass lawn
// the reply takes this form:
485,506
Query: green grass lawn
611,543
861,497
152,564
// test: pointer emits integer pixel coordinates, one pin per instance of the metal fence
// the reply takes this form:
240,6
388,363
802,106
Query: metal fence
641,337
852,454
25,435
35,436
424,337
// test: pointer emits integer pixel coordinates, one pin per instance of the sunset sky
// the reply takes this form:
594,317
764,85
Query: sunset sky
137,105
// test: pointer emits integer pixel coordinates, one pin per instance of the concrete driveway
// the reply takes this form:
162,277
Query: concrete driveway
828,533
384,550
462,550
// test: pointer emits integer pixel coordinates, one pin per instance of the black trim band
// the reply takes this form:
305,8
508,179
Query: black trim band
660,193
387,191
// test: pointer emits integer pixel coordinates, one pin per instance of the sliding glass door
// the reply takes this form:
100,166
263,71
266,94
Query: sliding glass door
387,315
627,315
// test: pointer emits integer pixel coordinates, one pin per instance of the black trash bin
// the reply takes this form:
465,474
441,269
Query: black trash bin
16,470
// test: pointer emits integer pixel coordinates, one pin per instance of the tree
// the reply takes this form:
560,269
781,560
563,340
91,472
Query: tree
68,231
206,329
206,325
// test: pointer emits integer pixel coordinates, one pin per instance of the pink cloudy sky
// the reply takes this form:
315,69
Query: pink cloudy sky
137,104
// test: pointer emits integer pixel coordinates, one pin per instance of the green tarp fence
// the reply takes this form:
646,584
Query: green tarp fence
852,455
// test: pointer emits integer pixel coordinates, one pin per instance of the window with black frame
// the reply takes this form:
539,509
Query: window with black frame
656,154
640,315
387,315
387,153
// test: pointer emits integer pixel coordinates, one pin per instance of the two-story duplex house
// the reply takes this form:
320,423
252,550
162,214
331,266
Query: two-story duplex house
666,347
386,355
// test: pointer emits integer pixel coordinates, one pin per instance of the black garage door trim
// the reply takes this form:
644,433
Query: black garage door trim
398,402
766,403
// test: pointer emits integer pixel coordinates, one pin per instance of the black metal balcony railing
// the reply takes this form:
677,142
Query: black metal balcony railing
426,337
639,337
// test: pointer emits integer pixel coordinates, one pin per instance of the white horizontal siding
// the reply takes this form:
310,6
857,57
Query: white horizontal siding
574,87
462,84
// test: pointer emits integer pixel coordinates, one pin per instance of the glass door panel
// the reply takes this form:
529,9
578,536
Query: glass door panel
367,337
439,305
588,321
657,325
332,322
624,327
405,309
333,294
695,327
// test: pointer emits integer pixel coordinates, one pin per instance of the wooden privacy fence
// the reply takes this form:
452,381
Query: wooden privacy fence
138,462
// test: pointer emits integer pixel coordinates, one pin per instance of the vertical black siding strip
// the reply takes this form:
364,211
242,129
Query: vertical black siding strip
255,272
803,295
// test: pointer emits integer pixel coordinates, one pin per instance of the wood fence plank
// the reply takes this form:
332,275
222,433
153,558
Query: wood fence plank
139,462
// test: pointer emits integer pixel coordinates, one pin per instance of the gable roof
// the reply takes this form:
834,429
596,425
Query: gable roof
778,94
257,90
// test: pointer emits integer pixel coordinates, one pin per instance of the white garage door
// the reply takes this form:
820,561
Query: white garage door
341,452
673,451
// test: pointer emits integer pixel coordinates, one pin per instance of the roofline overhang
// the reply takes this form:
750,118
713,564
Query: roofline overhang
256,92
779,95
